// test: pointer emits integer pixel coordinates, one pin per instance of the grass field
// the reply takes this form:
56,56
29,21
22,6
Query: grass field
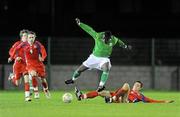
12,104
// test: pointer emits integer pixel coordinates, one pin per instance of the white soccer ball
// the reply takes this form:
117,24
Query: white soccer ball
67,98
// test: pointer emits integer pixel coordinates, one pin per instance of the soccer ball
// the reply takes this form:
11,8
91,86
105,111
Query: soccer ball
67,98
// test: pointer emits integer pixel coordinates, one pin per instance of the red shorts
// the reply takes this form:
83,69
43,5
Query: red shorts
19,69
39,68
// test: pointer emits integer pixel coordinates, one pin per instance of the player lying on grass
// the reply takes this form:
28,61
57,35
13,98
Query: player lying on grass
113,97
135,95
100,57
118,96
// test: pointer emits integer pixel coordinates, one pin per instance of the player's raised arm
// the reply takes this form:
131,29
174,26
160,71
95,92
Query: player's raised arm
122,44
86,28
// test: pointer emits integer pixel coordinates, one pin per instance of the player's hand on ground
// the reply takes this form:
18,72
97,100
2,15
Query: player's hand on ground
9,59
77,21
169,101
18,58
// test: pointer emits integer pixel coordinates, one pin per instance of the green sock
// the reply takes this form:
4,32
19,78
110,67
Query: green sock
104,78
75,75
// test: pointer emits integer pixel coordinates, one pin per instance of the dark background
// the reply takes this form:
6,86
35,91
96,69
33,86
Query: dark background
134,21
130,18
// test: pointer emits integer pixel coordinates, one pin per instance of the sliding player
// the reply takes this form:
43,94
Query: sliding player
99,59
136,96
118,96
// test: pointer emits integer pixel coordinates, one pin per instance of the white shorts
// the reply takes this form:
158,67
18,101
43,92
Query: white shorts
94,62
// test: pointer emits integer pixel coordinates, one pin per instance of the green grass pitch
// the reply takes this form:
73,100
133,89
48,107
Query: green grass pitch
12,104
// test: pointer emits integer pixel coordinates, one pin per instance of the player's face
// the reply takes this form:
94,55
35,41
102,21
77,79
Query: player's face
24,37
137,86
105,39
31,38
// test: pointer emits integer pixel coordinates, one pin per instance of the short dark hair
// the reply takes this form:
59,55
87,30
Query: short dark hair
23,31
140,83
107,34
31,32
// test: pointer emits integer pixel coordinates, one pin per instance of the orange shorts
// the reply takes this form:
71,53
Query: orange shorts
19,69
39,68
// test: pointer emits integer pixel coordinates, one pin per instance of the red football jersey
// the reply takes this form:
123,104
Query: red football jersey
32,52
135,96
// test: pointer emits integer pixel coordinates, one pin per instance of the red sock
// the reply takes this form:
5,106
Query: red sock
26,86
92,94
34,82
45,86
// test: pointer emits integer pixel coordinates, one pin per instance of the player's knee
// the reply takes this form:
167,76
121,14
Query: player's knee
33,73
26,79
105,67
104,93
126,86
43,80
17,83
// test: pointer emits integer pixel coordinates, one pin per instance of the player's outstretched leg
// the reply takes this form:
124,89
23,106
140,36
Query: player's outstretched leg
76,74
70,81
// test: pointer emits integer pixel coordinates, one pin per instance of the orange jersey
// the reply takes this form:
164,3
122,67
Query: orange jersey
30,53
33,52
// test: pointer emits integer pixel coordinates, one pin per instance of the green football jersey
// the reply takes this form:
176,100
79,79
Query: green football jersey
101,49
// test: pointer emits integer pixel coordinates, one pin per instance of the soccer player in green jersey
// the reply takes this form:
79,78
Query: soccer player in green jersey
99,59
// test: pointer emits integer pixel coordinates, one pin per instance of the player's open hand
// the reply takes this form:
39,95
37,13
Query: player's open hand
127,47
77,21
169,101
9,59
